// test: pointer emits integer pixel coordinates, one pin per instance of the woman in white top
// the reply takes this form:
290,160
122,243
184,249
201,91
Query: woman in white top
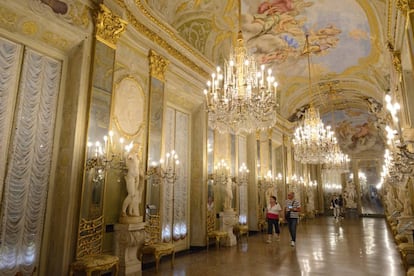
272,216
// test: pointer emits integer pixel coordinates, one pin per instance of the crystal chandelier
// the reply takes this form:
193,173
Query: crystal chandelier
241,98
312,141
337,160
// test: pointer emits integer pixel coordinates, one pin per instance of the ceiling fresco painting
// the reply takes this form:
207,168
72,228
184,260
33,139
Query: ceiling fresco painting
346,39
358,132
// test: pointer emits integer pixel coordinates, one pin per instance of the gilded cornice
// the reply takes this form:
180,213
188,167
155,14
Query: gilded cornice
109,27
161,42
158,65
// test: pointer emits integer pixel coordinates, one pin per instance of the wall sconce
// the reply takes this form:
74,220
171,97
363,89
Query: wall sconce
243,174
221,172
165,170
108,154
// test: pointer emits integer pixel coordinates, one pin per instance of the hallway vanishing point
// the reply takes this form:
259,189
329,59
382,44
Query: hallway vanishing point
352,246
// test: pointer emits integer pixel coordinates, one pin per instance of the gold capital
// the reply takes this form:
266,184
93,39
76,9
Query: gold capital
109,27
158,65
257,134
402,5
269,133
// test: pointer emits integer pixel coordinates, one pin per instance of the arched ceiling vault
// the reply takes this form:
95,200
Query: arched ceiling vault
347,40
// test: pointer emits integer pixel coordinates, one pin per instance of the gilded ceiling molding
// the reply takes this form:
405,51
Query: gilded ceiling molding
390,40
109,27
154,37
158,65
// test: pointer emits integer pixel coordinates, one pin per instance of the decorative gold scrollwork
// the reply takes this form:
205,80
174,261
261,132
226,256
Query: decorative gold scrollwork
396,61
109,27
158,65
402,5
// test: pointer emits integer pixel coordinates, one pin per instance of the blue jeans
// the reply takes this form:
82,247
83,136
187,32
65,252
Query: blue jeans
292,222
270,223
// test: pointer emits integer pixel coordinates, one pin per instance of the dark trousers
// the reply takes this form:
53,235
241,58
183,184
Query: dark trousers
292,223
270,223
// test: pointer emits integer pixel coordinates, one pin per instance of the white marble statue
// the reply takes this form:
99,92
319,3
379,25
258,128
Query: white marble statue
311,202
350,195
268,193
228,194
130,206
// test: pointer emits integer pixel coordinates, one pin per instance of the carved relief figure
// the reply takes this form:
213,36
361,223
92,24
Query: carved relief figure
130,206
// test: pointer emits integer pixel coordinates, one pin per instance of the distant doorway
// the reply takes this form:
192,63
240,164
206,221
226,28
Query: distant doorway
369,177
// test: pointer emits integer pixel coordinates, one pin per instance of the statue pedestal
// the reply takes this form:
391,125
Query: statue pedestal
405,227
228,219
128,239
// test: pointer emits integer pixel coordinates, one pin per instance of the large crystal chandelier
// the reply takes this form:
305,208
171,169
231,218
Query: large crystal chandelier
312,141
241,98
337,160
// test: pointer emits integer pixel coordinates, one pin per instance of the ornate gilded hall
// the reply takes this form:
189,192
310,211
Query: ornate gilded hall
138,133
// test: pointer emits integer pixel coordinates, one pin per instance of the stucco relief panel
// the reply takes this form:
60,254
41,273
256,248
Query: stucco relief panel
129,111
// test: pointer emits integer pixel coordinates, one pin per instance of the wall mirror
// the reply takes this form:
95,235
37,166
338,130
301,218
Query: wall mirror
98,127
156,113
211,203
369,178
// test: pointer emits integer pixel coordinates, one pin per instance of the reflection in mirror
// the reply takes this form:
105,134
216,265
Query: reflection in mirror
156,112
369,178
98,126
242,178
94,181
210,169
332,186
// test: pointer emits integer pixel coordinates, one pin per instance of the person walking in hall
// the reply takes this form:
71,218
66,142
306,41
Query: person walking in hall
272,217
341,206
292,209
335,207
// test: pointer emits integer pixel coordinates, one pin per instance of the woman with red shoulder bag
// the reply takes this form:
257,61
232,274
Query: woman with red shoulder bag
272,216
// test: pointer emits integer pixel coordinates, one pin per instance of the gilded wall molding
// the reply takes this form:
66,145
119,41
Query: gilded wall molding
396,61
158,40
158,65
109,27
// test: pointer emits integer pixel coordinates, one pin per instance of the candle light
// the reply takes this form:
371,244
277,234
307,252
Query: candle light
111,134
106,144
121,140
97,148
89,145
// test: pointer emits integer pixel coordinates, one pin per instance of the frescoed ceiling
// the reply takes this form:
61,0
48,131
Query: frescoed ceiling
347,41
